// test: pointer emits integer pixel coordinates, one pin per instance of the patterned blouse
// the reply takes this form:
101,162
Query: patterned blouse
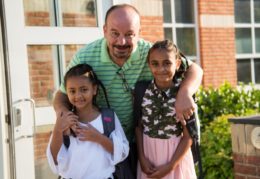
158,112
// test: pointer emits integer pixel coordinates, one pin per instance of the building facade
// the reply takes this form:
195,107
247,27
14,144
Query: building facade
39,37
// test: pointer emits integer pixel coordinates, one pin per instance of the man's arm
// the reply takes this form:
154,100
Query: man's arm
185,104
61,103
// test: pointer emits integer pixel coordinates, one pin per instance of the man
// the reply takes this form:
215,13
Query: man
119,61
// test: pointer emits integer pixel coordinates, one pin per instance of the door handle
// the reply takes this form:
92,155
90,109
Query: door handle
31,101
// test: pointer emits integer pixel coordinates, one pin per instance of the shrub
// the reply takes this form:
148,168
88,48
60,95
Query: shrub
226,100
216,149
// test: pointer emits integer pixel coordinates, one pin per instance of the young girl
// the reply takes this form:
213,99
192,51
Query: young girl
90,153
163,143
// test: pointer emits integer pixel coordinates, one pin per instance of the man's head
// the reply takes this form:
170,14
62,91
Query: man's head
121,30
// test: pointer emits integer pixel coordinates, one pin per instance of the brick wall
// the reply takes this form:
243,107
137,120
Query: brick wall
152,28
40,61
40,144
217,42
246,167
246,156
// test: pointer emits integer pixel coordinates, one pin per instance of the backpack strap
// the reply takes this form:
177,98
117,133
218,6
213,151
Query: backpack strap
139,91
108,120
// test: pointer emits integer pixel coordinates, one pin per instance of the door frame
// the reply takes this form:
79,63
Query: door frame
16,37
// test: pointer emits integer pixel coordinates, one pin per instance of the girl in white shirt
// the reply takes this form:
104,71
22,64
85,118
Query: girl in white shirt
90,153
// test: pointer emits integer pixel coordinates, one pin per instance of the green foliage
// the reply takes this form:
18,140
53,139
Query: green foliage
226,100
214,108
216,149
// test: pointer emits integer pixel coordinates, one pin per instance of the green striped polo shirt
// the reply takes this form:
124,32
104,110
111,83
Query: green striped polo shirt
134,69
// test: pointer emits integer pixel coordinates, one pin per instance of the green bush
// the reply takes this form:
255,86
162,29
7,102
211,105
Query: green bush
226,100
216,149
214,108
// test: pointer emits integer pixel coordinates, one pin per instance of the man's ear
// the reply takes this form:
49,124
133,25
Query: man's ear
104,28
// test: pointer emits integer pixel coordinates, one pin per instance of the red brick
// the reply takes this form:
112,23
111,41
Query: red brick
245,169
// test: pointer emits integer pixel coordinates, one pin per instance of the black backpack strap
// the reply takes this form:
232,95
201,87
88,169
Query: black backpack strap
139,91
108,120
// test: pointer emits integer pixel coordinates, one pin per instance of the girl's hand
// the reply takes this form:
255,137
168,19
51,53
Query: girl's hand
66,121
147,166
161,171
88,133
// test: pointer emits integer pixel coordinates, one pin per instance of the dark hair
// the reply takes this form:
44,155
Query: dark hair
118,6
167,45
87,71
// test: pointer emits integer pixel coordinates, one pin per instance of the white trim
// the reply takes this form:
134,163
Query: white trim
61,35
4,152
217,21
196,19
252,70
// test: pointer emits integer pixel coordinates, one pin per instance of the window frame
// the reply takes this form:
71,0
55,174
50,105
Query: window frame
254,55
174,25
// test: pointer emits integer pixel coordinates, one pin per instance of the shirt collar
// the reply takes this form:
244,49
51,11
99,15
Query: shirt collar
156,90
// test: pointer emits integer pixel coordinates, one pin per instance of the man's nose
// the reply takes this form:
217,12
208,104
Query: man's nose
121,40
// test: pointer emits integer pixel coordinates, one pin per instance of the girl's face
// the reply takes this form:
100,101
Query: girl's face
80,91
163,65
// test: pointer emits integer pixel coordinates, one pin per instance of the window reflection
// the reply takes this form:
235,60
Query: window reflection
167,15
184,11
243,71
168,33
79,13
257,10
242,11
38,12
41,60
186,41
69,13
257,70
257,40
70,50
243,40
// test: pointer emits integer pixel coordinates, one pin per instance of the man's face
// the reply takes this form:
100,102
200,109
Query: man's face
122,33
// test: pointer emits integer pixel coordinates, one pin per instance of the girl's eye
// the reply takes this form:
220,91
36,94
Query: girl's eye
71,91
84,90
154,64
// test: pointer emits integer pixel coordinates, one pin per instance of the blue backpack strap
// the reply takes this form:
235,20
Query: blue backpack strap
108,120
139,91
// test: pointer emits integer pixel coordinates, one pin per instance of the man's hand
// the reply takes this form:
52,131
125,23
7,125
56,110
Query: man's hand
66,121
184,106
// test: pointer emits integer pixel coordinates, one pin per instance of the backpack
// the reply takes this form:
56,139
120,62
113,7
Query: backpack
122,169
191,125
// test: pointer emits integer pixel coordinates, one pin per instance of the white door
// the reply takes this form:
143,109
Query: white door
41,37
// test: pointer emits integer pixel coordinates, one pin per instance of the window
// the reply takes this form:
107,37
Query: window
48,52
180,25
247,27
46,69
67,13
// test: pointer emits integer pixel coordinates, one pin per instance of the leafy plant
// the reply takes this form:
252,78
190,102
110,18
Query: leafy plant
226,100
216,149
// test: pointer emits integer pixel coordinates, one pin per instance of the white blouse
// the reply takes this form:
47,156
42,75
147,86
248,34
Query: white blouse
85,159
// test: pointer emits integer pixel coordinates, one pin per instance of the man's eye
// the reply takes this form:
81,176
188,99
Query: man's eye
114,34
130,35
